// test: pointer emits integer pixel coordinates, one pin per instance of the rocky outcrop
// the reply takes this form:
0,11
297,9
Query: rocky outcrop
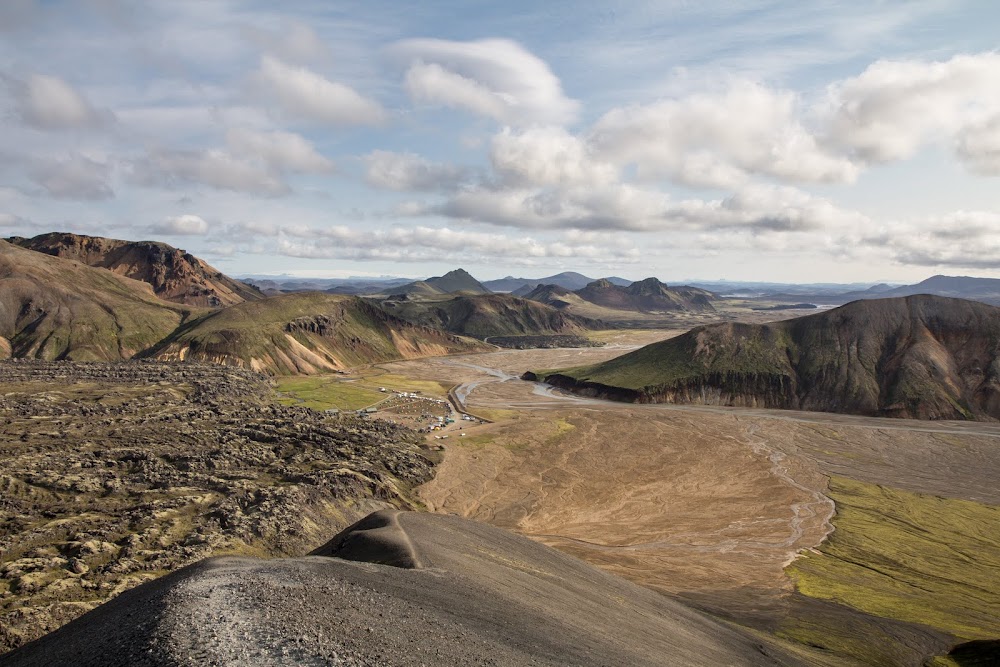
112,474
174,275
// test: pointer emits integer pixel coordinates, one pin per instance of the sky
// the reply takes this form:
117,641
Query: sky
779,141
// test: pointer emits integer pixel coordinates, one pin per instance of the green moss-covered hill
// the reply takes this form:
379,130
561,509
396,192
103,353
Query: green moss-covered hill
919,356
487,315
52,308
305,332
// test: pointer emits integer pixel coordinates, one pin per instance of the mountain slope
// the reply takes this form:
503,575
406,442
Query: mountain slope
453,282
305,332
487,315
400,588
569,279
52,308
920,356
649,295
174,274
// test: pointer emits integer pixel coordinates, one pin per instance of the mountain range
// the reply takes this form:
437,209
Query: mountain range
568,279
921,356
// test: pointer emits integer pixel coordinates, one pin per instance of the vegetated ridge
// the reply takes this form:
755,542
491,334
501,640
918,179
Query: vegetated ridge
454,282
921,356
174,274
305,332
53,308
487,315
649,295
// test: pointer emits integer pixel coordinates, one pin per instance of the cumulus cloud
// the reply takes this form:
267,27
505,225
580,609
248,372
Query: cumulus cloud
300,92
625,207
181,225
49,103
893,108
74,177
284,151
217,169
429,243
963,239
496,78
547,156
407,171
719,140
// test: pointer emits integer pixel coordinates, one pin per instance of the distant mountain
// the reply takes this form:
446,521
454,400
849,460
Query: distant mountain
568,279
921,356
552,295
305,332
53,308
649,295
490,315
986,290
454,282
174,274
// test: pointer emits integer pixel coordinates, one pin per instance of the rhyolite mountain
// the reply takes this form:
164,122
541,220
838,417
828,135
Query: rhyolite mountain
454,282
305,332
921,356
53,308
487,315
175,275
646,296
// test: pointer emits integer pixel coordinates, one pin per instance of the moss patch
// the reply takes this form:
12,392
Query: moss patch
911,557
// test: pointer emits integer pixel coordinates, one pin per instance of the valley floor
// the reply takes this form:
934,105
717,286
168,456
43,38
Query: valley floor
734,510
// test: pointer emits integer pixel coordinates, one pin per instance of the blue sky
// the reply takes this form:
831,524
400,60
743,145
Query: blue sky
821,141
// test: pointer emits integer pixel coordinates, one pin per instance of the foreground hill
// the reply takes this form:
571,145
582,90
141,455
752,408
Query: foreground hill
399,588
454,282
53,308
174,274
305,332
921,356
491,315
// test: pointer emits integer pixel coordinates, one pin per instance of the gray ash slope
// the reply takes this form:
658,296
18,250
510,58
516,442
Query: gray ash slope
398,589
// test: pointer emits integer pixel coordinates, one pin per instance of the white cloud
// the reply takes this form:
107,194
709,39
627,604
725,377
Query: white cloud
430,243
893,108
300,92
406,171
962,239
547,156
181,225
49,103
217,169
75,177
719,140
294,41
284,151
10,220
978,146
497,78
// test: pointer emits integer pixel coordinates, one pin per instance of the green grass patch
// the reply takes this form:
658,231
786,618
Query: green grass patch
322,392
911,557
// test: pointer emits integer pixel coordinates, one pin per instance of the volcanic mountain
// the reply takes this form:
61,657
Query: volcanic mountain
487,315
454,282
649,295
400,588
174,274
568,279
921,356
52,308
305,332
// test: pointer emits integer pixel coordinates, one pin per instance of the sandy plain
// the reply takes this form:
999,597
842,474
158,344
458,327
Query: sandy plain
708,504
